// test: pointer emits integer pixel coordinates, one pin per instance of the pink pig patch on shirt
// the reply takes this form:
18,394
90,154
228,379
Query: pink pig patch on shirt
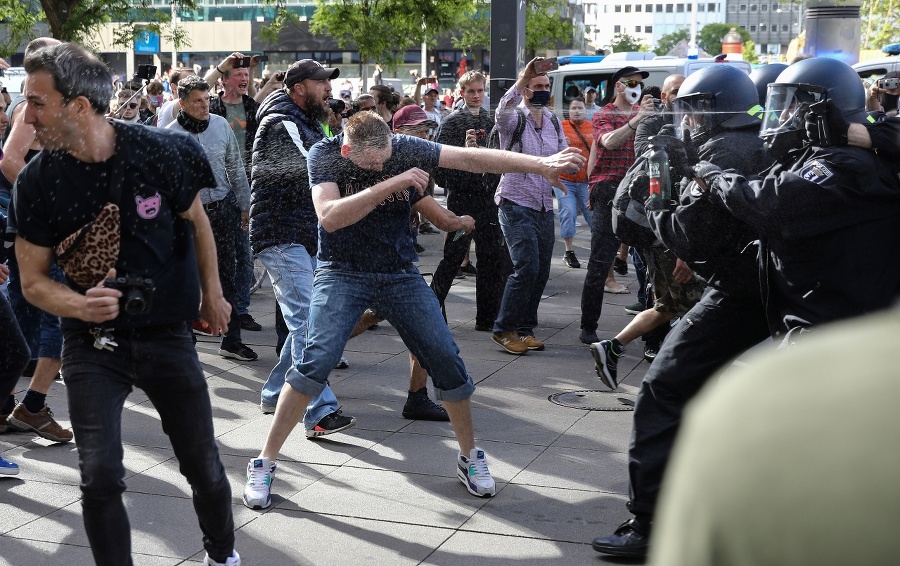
148,208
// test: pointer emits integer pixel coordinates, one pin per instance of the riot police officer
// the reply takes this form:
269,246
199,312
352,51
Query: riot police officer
719,109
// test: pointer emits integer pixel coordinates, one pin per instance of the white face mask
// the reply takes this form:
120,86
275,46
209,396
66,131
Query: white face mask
632,95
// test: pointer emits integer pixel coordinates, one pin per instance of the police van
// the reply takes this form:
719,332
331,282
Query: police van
876,68
570,81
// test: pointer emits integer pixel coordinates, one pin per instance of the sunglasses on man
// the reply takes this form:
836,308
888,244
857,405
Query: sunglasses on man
631,83
131,105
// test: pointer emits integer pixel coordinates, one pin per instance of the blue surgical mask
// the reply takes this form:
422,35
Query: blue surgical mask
540,97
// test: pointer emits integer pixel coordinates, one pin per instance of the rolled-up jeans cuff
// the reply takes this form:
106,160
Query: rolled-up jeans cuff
461,393
304,384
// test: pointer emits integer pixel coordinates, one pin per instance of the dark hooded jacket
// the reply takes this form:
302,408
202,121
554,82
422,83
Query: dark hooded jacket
281,206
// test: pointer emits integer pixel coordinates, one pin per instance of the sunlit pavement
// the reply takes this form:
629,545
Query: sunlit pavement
386,491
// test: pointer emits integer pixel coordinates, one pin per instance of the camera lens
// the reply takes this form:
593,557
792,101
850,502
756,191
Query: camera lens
134,302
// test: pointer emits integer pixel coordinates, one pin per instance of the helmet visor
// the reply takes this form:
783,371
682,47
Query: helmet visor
786,107
693,113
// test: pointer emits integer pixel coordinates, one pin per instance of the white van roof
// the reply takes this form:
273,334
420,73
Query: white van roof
12,79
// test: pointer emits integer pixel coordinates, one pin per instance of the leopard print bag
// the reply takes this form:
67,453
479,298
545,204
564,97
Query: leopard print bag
87,255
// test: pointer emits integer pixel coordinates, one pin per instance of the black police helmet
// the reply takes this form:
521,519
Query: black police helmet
762,76
841,83
716,97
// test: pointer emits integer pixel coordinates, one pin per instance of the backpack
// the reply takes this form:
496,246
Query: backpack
493,141
629,219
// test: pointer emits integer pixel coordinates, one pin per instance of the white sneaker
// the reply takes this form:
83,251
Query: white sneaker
473,472
233,560
258,490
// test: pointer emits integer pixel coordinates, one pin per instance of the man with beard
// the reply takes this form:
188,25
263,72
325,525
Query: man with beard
228,203
283,222
526,208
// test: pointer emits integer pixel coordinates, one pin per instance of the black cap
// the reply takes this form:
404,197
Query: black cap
308,69
626,71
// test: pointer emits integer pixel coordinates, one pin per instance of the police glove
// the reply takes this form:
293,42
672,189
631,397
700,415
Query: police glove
682,156
825,125
707,172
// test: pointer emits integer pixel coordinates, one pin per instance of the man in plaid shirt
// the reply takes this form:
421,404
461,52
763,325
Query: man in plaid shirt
611,155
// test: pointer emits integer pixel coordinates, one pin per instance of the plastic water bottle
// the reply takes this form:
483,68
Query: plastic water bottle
660,184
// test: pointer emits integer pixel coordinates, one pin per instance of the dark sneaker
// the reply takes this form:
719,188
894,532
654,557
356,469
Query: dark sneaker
330,424
8,468
570,260
620,266
419,407
258,489
510,341
588,336
469,269
238,351
342,363
473,472
532,343
41,422
419,247
630,539
460,274
247,323
605,362
650,351
484,326
636,308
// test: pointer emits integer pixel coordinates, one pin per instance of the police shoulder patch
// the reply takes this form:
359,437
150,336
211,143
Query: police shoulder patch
816,171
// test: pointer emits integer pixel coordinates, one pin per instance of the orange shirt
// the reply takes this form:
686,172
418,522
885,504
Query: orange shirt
586,130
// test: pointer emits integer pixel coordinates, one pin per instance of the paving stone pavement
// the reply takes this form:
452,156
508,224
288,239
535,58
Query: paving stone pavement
384,492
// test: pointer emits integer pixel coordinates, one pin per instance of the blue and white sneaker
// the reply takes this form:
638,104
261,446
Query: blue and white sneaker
8,468
233,560
258,489
473,472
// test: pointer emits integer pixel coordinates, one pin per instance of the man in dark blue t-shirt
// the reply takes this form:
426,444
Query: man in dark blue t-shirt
154,178
365,184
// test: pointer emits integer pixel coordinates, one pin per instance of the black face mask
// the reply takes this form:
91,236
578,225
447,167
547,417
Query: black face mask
889,102
192,125
540,98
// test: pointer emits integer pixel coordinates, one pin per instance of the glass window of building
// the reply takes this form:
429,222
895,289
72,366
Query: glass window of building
679,8
670,8
648,29
618,8
617,29
753,7
627,8
648,8
742,8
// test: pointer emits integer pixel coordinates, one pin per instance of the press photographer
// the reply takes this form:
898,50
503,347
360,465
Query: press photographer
884,94
111,200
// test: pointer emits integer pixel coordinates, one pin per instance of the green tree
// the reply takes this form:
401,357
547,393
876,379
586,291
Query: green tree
80,20
624,42
709,38
667,42
749,52
880,24
545,26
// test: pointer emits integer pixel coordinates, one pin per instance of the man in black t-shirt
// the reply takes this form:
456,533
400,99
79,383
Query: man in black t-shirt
154,177
364,186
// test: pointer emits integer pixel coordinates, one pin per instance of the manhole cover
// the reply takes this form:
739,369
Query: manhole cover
592,400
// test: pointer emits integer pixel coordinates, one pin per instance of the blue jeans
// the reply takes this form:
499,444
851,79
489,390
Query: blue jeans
290,268
41,329
162,361
243,275
338,300
570,205
529,237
